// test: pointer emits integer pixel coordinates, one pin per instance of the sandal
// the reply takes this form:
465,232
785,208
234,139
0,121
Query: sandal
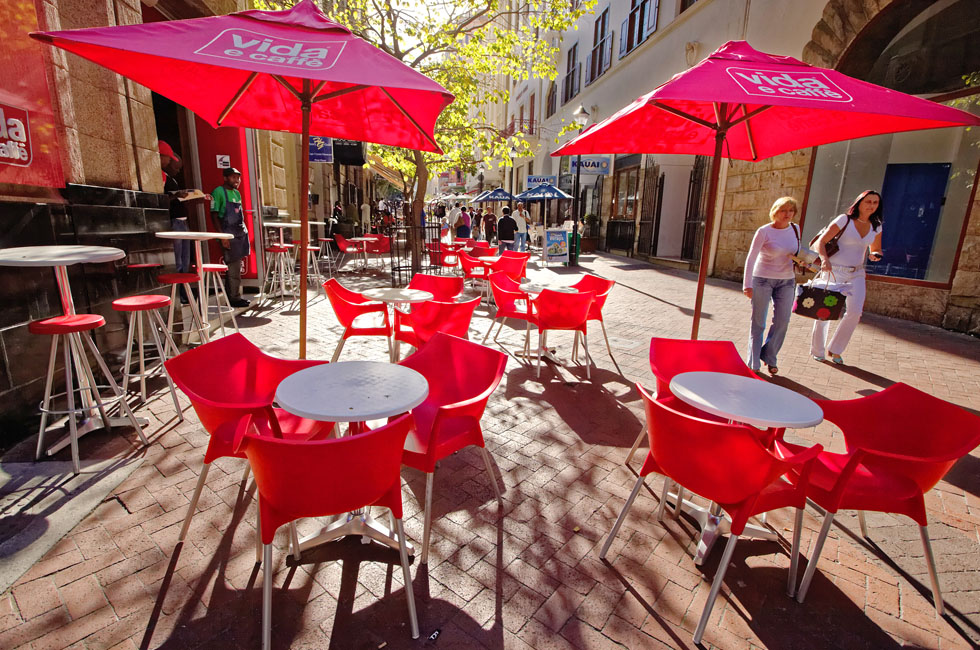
773,370
816,358
837,359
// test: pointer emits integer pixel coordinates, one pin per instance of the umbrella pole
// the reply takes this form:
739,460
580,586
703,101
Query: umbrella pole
304,205
708,225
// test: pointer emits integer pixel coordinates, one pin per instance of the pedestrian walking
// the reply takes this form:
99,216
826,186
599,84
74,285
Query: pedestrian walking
769,279
860,231
506,229
520,236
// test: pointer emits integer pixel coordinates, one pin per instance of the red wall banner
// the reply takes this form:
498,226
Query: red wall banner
29,152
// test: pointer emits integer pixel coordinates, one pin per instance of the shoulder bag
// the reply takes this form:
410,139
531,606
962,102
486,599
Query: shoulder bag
819,303
832,245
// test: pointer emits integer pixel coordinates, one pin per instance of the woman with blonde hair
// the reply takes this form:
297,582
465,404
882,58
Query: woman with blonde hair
769,278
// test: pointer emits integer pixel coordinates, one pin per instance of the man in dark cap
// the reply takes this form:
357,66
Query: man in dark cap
227,215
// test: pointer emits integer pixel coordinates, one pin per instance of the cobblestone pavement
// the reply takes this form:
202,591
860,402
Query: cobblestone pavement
531,579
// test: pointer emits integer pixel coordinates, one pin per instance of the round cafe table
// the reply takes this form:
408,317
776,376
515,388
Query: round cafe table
352,391
61,257
755,402
538,287
197,237
396,297
361,243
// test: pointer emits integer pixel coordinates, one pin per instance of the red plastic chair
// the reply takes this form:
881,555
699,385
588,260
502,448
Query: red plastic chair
345,247
516,255
299,479
514,267
900,443
348,305
380,246
511,303
443,258
726,464
473,269
554,310
461,375
425,319
601,287
671,357
443,288
229,378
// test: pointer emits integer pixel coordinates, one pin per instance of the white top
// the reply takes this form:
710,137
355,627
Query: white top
538,287
769,255
194,235
352,391
521,222
365,214
747,400
58,255
853,247
282,224
453,215
395,294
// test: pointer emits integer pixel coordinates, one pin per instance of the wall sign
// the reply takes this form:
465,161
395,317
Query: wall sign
321,149
15,136
598,165
224,161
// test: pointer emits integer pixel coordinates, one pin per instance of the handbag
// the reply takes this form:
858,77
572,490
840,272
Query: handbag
800,266
819,303
832,245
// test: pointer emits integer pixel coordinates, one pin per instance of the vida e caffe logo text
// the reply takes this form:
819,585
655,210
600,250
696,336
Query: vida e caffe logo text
15,136
800,85
242,44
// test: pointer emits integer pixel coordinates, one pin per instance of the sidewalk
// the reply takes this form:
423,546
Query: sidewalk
532,579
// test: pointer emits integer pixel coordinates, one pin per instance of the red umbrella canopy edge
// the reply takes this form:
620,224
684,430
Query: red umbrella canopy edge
767,104
247,69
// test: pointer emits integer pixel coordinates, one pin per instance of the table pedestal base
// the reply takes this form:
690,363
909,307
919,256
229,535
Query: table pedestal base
355,523
714,524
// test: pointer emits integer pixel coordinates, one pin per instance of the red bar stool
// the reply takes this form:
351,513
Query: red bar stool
147,305
212,274
73,329
186,279
278,268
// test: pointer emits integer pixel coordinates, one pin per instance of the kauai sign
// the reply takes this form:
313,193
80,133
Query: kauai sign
799,85
15,136
243,44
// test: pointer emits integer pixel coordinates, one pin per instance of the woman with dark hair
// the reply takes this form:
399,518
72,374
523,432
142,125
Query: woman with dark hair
860,230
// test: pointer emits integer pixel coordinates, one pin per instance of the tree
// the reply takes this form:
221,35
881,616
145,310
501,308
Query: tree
468,46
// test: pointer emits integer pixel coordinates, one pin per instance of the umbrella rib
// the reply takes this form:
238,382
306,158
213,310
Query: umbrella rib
686,116
409,117
237,97
748,132
285,84
337,93
748,116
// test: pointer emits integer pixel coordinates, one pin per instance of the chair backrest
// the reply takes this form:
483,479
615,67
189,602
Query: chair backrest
601,286
444,288
229,377
516,255
721,462
906,421
380,244
449,317
506,291
458,370
514,267
342,244
324,477
556,310
670,357
345,302
469,263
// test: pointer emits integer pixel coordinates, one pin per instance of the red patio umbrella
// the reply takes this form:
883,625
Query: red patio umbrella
745,104
293,70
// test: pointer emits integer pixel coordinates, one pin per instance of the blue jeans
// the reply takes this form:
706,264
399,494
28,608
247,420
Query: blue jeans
182,247
504,246
520,242
781,293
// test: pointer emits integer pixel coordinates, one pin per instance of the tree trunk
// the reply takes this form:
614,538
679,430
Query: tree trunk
415,217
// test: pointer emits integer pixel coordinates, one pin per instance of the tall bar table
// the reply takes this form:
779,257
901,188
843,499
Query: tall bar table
61,257
197,237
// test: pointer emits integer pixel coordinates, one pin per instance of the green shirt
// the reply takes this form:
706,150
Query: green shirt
220,198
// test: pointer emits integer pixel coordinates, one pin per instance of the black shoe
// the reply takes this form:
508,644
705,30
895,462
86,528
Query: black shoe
240,302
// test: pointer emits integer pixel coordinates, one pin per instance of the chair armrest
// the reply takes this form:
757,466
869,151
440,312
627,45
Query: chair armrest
804,456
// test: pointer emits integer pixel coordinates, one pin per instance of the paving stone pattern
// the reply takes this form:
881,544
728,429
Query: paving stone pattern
531,579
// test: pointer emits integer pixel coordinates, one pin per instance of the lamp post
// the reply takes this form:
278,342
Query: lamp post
512,153
581,118
480,168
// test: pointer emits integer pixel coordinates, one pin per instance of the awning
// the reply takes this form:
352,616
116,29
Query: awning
390,175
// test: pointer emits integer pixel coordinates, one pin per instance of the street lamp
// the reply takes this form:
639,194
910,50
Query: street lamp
512,153
581,118
481,168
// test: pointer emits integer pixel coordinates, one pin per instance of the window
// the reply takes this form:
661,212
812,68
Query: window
600,58
520,119
552,100
530,117
573,75
686,4
642,22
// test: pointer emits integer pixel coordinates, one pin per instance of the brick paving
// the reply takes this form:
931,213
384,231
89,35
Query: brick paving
531,578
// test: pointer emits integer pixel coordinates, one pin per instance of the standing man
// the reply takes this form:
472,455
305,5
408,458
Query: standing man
506,229
453,216
520,237
366,217
227,216
170,165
